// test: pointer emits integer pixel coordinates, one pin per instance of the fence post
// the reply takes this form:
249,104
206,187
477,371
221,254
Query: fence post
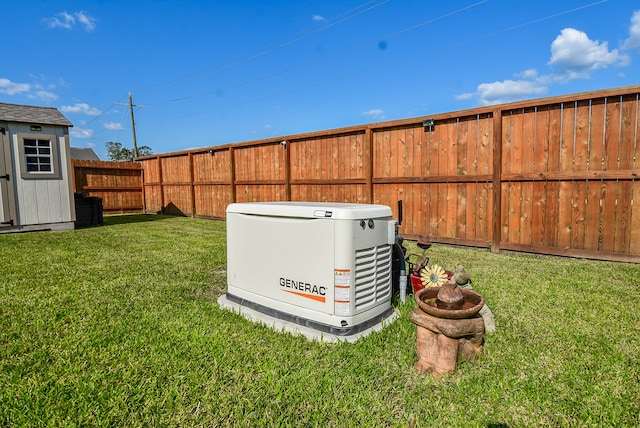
73,175
287,171
144,192
368,159
232,171
160,179
497,181
193,188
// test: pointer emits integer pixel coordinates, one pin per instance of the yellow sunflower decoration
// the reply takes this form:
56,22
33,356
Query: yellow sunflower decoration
433,276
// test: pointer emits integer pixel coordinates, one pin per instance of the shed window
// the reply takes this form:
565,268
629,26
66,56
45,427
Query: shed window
37,155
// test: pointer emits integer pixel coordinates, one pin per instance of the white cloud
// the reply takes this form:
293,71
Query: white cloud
81,133
577,56
318,18
69,20
61,20
530,73
509,90
12,88
375,113
34,91
46,96
88,22
633,42
573,55
113,126
81,108
465,96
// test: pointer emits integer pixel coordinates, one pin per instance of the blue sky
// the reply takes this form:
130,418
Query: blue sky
204,73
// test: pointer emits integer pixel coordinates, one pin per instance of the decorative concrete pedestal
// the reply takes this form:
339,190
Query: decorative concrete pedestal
441,343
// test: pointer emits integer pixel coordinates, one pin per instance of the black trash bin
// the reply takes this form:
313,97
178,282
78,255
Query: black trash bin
88,211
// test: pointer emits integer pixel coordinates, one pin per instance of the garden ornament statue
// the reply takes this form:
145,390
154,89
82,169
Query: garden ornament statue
449,327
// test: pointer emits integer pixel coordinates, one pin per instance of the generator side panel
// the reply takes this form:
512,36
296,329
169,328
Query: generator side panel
273,259
362,268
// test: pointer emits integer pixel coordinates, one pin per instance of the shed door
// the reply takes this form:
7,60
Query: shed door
5,199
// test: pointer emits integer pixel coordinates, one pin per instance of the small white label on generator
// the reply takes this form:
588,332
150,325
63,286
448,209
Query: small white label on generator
342,277
341,308
341,292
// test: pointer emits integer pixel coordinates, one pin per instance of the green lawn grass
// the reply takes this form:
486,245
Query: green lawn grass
119,326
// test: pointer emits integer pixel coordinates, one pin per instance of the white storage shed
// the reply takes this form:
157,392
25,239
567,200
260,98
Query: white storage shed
36,188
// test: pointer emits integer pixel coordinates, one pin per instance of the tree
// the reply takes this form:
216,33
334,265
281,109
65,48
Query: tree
116,152
144,151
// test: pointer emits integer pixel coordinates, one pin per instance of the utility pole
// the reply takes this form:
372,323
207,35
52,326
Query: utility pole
133,127
133,124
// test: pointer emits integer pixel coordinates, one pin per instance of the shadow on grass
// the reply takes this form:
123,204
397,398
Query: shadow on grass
111,220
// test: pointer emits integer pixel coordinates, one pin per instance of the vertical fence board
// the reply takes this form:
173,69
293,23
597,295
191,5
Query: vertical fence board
612,134
578,213
485,214
484,152
623,218
634,240
436,149
513,212
471,211
415,143
538,213
554,149
507,141
627,132
462,205
581,155
592,216
528,144
634,119
403,161
432,190
551,215
567,133
450,203
596,139
472,143
450,149
526,199
608,191
515,165
462,163
541,141
504,208
564,214
565,188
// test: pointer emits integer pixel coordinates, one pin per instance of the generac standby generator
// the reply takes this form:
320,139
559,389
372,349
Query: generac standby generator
322,266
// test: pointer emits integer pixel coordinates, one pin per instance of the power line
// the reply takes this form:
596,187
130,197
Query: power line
525,24
345,16
344,52
341,53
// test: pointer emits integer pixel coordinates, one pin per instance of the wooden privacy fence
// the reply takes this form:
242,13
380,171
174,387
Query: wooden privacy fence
119,184
553,176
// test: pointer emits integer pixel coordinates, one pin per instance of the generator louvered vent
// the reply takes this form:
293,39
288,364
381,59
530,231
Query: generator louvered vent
373,276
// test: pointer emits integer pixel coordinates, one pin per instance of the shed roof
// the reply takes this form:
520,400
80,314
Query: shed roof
83,153
32,114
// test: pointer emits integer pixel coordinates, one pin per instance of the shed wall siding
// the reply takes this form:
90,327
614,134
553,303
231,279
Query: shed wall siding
41,201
